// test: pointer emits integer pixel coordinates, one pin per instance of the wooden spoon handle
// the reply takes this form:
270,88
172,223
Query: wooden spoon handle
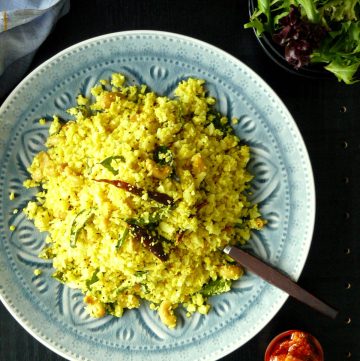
280,280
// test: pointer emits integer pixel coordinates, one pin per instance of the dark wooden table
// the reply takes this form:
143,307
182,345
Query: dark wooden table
328,115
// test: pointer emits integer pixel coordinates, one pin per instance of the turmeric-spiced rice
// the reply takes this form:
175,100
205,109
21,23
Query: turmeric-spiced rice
139,194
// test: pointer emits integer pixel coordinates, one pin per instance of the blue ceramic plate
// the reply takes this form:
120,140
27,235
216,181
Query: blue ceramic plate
283,187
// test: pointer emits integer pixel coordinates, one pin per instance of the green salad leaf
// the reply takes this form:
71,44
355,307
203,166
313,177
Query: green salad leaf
315,31
263,10
310,10
339,10
341,51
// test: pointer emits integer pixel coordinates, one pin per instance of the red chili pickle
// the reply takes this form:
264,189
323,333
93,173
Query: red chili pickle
294,345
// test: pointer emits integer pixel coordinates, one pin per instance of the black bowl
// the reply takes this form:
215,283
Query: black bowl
276,53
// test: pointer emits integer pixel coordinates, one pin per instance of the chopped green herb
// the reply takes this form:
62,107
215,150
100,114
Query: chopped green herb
149,222
93,279
220,122
107,163
84,110
216,287
122,238
59,276
78,224
47,253
240,225
231,262
110,307
175,177
163,155
140,273
121,289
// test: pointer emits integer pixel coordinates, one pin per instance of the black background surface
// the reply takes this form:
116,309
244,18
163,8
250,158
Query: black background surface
328,116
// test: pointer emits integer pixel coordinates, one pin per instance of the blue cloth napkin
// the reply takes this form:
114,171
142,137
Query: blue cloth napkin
24,25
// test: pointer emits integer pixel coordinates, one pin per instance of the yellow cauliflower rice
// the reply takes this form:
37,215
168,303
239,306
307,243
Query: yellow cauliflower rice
139,194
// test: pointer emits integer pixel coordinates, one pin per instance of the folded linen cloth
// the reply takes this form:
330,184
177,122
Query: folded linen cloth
24,25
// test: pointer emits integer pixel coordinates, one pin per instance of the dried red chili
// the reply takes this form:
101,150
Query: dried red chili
156,196
152,243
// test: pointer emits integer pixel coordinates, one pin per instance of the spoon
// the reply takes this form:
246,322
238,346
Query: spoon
280,280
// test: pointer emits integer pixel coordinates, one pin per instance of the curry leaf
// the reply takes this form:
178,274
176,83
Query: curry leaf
107,163
122,238
216,287
163,155
78,224
93,279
